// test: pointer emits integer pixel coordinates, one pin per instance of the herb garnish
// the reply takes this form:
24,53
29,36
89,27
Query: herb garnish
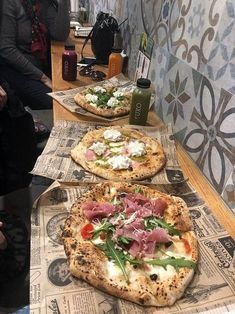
116,201
105,226
115,248
115,255
124,240
138,189
153,222
139,158
175,262
103,98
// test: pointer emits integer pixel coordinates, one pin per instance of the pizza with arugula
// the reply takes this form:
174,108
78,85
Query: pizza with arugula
133,242
107,102
119,153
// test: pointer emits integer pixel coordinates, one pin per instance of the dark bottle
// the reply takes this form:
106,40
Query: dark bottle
69,63
140,102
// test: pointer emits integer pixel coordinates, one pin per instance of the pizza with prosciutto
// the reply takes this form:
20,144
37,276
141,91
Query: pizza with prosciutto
133,242
118,153
109,102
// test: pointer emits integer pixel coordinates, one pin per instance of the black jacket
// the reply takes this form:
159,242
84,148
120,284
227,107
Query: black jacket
18,151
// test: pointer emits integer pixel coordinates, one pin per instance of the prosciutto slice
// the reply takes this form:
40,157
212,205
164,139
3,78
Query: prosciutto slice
144,242
94,209
90,155
143,206
136,207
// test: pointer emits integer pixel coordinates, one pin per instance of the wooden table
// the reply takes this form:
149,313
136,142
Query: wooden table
189,168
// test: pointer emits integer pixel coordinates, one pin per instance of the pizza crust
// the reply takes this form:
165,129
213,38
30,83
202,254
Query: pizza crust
104,112
155,157
88,263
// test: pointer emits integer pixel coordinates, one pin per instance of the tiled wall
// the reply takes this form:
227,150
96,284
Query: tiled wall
194,59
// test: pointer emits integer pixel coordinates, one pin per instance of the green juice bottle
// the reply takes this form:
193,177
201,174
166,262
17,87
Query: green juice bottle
140,102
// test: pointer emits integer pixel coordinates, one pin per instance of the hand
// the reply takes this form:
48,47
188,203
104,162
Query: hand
3,241
45,80
3,98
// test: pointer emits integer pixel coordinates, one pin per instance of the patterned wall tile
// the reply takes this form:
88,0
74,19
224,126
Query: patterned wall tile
160,20
158,69
229,191
197,24
221,64
210,138
178,96
131,34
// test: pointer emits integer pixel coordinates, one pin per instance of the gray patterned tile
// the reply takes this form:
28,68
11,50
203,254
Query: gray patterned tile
160,20
210,139
158,68
221,62
197,25
178,96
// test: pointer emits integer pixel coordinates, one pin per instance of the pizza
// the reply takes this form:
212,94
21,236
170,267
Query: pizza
119,153
107,101
132,242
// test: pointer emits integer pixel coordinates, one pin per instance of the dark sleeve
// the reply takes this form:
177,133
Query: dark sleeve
57,20
8,35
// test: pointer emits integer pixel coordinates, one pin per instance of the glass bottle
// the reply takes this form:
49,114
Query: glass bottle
140,102
69,63
115,63
115,58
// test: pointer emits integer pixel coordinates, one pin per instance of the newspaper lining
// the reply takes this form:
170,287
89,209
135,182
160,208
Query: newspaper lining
54,290
56,163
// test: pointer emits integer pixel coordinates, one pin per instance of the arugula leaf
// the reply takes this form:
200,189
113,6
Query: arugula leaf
132,260
117,256
138,189
103,247
90,91
105,226
102,99
138,158
175,262
153,222
124,240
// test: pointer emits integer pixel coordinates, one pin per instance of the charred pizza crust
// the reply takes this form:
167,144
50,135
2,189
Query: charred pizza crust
122,109
153,163
88,263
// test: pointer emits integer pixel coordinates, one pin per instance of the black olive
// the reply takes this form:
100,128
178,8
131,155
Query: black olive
168,244
153,277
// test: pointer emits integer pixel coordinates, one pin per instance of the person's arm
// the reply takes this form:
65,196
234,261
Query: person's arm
57,19
3,242
8,44
46,80
3,101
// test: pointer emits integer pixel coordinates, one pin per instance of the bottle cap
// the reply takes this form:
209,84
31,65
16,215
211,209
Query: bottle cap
143,83
117,43
69,46
118,50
